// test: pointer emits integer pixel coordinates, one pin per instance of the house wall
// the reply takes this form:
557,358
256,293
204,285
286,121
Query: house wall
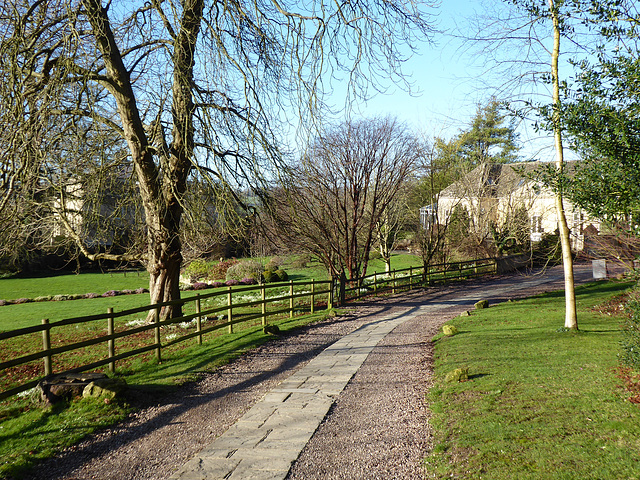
539,202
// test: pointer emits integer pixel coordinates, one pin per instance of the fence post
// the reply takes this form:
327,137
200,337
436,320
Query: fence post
156,320
198,319
375,283
46,346
330,295
290,298
410,278
111,343
343,293
230,309
313,295
393,283
264,304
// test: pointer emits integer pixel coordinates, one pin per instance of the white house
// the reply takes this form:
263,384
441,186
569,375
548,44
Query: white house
492,193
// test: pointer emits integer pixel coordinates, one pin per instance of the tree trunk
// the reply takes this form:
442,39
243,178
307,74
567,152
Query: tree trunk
571,319
161,186
164,261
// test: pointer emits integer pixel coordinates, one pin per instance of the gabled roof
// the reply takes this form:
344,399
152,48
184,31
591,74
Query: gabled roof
490,180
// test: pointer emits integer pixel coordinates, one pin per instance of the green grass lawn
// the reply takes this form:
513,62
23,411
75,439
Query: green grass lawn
27,314
21,287
540,403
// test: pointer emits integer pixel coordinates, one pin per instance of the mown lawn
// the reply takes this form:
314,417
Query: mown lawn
540,403
67,284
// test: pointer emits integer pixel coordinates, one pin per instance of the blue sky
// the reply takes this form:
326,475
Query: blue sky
448,80
446,97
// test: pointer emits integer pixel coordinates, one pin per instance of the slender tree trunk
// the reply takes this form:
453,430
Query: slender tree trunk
571,319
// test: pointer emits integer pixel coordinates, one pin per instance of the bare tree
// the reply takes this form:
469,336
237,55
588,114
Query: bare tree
439,169
185,86
339,191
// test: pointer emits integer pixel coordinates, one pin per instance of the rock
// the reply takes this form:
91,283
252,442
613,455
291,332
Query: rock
272,329
105,387
481,304
449,330
66,386
457,375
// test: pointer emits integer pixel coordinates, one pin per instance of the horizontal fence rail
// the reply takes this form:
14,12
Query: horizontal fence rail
221,309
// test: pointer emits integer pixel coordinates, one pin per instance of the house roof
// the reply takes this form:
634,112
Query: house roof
490,180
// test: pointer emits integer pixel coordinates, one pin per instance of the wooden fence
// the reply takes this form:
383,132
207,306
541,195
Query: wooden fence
307,296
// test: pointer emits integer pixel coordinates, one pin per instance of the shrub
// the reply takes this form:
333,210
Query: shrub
44,298
232,282
269,276
197,270
3,303
22,300
281,275
199,286
547,250
217,284
218,271
110,293
141,290
246,269
248,281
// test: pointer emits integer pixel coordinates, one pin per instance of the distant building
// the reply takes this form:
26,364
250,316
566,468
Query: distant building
100,218
492,193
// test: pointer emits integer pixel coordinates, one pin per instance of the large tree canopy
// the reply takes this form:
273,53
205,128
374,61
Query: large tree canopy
161,89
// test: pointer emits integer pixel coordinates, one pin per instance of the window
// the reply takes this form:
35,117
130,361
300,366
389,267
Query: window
536,224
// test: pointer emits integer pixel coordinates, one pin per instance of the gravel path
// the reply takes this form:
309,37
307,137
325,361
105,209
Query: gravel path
378,427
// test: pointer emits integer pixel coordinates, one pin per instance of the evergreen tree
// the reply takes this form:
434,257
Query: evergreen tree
491,137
